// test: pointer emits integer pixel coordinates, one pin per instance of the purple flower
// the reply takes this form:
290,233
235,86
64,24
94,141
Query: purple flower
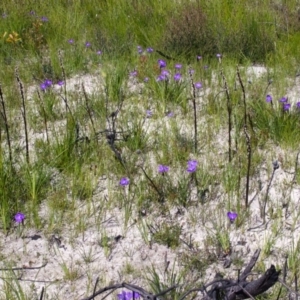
128,295
61,83
124,181
99,52
269,98
232,216
87,44
140,49
192,166
205,67
149,113
286,106
48,82
283,100
150,50
163,169
32,13
160,78
177,76
219,55
71,41
133,73
298,104
162,63
19,217
178,66
44,19
199,57
165,73
146,79
198,85
191,71
44,85
170,114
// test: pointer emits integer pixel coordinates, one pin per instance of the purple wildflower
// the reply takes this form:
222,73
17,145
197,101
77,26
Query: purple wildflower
60,82
160,78
71,41
205,67
192,166
133,73
165,73
99,52
286,106
170,114
44,19
124,181
163,169
48,82
140,49
232,216
149,113
177,76
283,100
32,13
199,57
218,55
162,63
298,104
150,50
44,85
178,66
198,85
19,217
191,71
88,44
146,79
269,98
128,295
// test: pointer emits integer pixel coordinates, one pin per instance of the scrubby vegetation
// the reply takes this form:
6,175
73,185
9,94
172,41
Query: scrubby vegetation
176,123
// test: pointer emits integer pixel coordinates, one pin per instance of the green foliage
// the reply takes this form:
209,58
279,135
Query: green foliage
231,27
274,123
12,289
172,278
169,93
75,151
136,137
242,29
168,235
188,31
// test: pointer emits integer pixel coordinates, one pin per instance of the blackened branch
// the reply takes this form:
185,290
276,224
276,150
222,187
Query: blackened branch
229,111
219,288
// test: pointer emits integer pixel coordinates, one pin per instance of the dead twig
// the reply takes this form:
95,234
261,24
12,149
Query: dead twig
24,268
220,288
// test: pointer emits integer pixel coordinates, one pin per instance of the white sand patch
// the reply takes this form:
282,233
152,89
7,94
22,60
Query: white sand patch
76,259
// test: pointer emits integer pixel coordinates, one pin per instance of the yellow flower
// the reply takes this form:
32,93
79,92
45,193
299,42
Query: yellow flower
13,37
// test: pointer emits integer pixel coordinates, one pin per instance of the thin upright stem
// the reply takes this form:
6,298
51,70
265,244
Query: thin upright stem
247,136
195,113
3,113
229,111
23,113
